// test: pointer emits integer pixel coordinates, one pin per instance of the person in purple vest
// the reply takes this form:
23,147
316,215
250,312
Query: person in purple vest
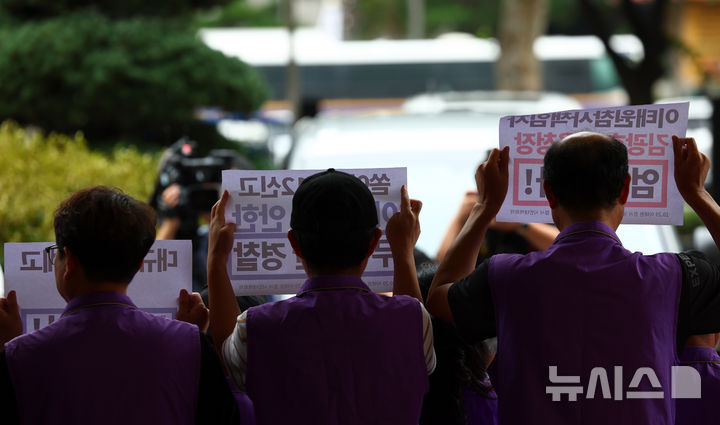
699,353
336,353
460,390
588,332
104,361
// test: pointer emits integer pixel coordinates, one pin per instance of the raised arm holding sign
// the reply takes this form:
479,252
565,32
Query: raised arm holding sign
646,132
337,339
403,231
262,260
585,307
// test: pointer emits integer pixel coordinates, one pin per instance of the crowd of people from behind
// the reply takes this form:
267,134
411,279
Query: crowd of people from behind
513,324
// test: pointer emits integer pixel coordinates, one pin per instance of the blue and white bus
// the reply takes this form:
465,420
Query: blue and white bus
333,69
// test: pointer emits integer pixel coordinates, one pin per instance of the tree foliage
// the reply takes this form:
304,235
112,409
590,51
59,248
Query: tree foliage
38,171
137,78
238,13
370,19
388,18
40,9
472,17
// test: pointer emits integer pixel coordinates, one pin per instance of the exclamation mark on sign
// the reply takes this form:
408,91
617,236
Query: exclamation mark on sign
528,180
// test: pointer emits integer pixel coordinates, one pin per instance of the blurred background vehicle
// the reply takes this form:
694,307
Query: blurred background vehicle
441,139
386,68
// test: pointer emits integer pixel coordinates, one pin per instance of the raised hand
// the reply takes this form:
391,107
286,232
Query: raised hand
191,309
220,236
10,321
403,228
491,179
691,168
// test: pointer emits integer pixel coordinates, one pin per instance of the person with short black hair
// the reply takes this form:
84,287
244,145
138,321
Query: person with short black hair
336,353
569,318
107,231
333,222
105,361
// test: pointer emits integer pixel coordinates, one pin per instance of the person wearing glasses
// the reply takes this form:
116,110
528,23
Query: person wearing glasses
105,361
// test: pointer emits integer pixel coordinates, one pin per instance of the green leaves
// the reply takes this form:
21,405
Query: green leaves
110,78
40,9
38,171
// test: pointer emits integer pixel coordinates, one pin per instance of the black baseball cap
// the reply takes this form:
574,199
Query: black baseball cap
332,202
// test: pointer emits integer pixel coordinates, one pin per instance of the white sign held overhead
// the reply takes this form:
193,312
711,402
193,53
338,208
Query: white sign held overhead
166,269
262,260
646,131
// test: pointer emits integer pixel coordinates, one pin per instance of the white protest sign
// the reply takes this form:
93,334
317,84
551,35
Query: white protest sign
167,268
647,132
262,260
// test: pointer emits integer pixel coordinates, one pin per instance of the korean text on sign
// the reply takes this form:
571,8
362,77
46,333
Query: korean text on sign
645,130
262,260
30,272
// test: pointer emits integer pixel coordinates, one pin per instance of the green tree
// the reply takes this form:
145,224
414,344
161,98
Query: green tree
139,78
370,19
388,18
133,77
40,9
238,13
473,17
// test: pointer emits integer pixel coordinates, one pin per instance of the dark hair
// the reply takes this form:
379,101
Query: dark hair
108,231
334,251
586,171
333,220
459,366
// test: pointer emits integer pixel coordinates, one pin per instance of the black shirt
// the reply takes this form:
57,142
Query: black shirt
698,312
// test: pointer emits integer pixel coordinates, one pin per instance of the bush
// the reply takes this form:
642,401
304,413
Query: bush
37,172
139,78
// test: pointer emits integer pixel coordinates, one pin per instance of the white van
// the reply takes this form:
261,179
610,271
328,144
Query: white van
441,139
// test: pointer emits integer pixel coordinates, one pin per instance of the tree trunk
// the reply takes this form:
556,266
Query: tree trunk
416,19
647,21
521,21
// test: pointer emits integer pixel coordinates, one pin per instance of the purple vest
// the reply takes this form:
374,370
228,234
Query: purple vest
596,312
703,411
105,362
479,409
336,354
247,412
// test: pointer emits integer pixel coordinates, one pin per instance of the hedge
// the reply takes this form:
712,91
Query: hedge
38,171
